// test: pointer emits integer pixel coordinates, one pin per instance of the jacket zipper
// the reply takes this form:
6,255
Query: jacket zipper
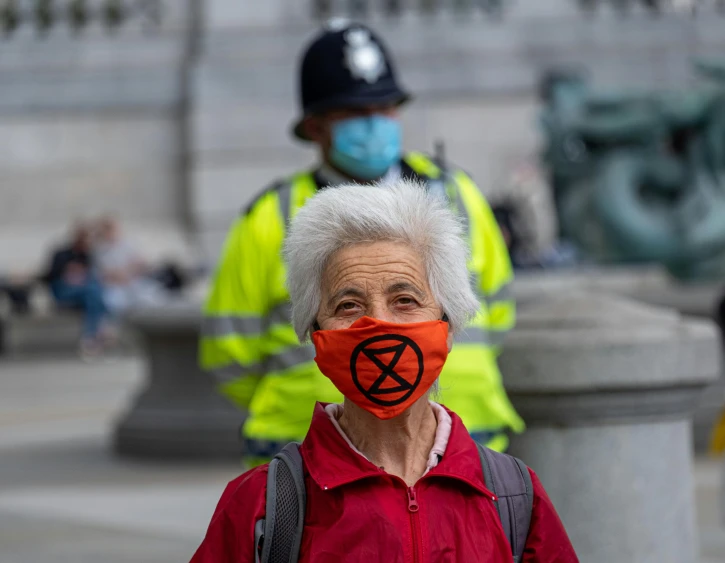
413,508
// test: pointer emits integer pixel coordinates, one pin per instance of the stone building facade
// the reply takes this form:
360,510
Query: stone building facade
175,126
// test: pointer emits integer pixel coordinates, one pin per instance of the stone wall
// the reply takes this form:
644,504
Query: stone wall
180,141
88,125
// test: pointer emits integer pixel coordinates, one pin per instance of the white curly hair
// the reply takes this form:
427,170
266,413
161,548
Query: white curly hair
400,211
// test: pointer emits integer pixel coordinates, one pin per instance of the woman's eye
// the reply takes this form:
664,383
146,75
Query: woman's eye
406,301
347,306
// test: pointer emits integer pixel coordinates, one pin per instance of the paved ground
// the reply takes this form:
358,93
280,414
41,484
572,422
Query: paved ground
65,498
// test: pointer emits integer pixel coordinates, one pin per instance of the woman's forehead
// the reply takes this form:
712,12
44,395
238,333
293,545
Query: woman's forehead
378,266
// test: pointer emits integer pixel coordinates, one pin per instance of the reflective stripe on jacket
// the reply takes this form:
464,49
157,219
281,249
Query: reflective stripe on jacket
249,346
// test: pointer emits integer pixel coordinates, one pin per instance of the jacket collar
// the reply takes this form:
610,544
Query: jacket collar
325,176
331,462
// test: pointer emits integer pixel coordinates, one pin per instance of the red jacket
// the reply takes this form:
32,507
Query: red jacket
357,513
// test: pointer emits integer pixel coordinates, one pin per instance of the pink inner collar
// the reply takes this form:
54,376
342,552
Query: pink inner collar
443,432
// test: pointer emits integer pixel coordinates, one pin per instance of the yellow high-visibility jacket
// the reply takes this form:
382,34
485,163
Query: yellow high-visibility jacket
250,348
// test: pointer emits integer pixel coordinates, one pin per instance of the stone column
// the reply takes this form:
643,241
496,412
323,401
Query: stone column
607,387
650,285
177,413
697,300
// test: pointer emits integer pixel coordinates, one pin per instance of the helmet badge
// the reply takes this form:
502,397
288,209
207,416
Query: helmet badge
337,24
363,56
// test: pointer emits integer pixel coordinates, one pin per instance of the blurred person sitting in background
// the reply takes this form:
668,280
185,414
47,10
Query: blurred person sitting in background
126,276
74,284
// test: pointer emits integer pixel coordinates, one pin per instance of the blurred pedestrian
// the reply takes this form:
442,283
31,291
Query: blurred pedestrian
126,277
522,250
74,284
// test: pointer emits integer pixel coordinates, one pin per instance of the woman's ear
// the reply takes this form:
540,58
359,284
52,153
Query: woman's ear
313,329
444,318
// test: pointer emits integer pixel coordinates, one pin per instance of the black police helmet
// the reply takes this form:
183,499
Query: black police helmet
346,66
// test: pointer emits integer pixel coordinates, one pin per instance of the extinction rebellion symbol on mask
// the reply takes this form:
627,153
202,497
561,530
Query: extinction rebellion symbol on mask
399,361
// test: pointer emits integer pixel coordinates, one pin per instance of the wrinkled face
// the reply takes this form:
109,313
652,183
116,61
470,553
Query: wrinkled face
381,280
319,127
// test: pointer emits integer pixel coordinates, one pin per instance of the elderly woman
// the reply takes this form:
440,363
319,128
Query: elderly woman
378,280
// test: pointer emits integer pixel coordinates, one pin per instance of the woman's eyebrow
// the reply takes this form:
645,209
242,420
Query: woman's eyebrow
405,286
345,292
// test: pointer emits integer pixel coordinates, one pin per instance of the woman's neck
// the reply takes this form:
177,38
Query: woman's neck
399,445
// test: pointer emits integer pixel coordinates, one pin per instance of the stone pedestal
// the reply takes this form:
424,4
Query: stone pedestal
650,285
697,300
177,413
607,387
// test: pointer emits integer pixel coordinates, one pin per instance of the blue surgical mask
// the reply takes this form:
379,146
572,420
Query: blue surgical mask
366,147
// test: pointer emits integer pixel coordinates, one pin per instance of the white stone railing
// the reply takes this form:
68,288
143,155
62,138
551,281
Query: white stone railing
43,17
322,9
271,13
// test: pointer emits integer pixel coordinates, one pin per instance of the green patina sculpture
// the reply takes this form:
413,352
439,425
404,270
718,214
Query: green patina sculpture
638,176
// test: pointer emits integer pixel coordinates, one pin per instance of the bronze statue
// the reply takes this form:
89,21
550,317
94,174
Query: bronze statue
639,176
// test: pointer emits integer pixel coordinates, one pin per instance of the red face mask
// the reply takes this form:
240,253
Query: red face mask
383,367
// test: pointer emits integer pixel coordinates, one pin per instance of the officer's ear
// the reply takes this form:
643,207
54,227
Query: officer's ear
315,129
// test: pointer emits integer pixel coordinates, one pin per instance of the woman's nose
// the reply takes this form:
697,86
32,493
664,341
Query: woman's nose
381,312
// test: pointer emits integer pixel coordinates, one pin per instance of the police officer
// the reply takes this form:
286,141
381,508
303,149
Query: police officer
350,101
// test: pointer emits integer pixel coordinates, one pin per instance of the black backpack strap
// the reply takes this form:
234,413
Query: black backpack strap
279,535
509,479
